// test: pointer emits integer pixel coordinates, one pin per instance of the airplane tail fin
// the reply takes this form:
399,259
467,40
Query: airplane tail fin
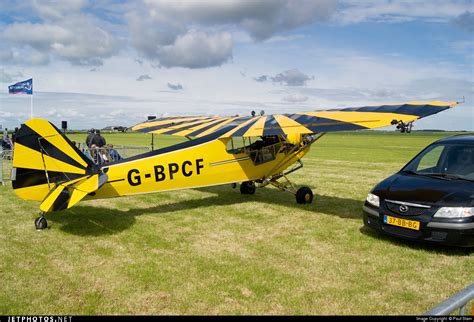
48,167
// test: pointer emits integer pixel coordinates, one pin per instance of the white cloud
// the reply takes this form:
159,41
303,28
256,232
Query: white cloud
77,38
197,49
143,77
463,46
261,79
6,54
276,39
175,87
355,11
56,9
261,19
6,77
465,21
295,98
291,77
167,31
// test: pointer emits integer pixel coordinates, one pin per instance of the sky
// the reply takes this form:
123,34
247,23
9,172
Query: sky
102,63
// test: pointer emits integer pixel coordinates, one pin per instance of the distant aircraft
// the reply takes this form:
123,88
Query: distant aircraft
254,151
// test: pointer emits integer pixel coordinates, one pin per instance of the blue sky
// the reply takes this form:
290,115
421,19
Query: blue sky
100,63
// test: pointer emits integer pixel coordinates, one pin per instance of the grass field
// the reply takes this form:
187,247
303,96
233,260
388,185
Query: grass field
215,251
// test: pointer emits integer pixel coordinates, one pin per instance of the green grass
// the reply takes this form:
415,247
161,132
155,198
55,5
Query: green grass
215,251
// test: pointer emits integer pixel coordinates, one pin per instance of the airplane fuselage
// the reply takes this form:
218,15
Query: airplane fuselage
199,165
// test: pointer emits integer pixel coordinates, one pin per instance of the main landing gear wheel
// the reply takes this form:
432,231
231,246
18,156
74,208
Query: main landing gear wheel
247,188
304,195
41,223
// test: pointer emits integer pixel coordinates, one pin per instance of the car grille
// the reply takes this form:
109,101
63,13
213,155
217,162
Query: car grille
404,232
412,210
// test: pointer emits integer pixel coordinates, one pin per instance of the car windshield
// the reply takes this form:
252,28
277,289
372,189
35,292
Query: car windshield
446,161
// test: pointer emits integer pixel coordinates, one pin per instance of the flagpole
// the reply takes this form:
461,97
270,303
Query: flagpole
31,106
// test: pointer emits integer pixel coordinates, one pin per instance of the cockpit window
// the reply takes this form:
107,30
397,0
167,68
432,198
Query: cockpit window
260,149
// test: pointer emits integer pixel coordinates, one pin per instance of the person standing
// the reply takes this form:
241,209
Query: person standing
98,139
90,136
14,135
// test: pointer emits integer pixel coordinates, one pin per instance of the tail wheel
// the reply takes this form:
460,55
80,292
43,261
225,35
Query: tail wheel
247,188
41,223
304,195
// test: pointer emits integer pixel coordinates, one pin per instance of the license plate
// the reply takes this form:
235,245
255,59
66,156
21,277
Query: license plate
410,224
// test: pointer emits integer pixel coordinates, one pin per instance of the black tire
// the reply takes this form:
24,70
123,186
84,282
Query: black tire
304,195
247,188
41,223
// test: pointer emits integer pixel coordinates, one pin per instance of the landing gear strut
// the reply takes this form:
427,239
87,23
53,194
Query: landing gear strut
303,195
40,222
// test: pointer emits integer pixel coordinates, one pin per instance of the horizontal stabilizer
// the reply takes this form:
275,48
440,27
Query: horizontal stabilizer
67,194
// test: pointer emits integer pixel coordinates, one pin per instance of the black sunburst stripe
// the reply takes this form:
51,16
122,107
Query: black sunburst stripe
28,137
88,161
29,177
61,201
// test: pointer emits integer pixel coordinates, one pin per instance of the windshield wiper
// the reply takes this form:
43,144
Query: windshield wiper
456,177
427,174
448,176
437,175
444,176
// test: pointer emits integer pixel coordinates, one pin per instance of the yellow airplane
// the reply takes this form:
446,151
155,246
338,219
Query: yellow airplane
254,151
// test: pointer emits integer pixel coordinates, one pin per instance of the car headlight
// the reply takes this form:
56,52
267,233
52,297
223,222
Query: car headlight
454,212
373,200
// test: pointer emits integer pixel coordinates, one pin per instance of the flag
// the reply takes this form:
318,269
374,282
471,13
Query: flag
25,87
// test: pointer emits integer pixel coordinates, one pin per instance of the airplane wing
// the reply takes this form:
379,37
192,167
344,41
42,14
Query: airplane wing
345,119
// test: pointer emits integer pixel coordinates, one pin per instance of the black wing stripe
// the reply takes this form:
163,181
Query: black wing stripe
173,131
319,124
245,128
272,127
204,129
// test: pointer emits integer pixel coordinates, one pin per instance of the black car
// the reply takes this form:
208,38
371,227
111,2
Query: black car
431,198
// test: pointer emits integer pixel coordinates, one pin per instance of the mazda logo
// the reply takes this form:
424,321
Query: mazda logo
403,208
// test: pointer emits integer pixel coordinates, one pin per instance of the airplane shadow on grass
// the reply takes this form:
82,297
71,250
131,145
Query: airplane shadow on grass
95,221
85,220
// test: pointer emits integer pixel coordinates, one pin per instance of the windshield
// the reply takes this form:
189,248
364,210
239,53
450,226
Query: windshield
454,161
